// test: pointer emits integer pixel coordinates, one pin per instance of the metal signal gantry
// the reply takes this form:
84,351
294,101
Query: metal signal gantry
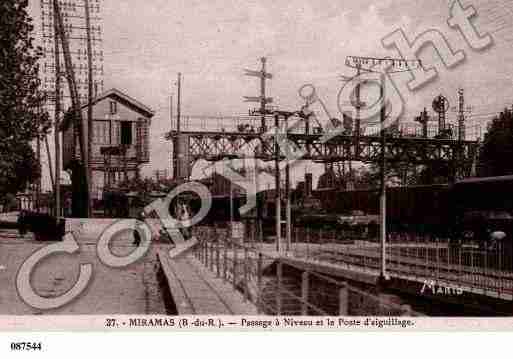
216,145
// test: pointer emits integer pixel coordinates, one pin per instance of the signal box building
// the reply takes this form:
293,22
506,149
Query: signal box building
120,141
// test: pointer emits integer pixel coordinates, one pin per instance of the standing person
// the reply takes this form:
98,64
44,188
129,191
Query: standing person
137,236
67,206
186,218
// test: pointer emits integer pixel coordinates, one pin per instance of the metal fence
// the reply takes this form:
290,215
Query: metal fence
479,267
278,287
251,124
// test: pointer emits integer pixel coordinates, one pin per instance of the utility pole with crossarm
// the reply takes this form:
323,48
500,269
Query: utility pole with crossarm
383,66
263,75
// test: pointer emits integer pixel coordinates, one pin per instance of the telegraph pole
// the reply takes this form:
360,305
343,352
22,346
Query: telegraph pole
38,155
171,110
49,155
90,85
383,189
423,119
277,177
57,181
176,148
173,144
232,210
259,203
358,106
461,114
263,75
263,100
179,104
38,184
462,110
262,94
288,204
393,65
77,111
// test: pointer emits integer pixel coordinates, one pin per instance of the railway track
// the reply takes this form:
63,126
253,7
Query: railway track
479,280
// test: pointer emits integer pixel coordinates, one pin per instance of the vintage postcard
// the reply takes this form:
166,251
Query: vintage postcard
244,165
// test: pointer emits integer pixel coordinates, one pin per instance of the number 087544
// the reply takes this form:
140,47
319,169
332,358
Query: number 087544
26,346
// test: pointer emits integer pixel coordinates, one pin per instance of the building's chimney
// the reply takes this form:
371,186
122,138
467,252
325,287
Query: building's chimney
308,184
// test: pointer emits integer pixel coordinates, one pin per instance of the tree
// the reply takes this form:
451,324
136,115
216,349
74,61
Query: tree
497,149
434,173
397,174
20,98
403,174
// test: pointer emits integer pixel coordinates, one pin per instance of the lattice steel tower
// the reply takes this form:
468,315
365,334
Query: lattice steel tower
74,17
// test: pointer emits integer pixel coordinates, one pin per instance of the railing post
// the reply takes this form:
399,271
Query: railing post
211,254
485,269
279,275
500,259
426,267
246,277
252,226
205,248
304,293
307,242
235,264
203,252
218,259
260,268
295,241
225,261
500,271
437,260
206,254
343,301
460,265
207,258
472,273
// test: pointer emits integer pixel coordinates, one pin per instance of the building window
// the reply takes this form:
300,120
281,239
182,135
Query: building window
126,133
101,132
113,107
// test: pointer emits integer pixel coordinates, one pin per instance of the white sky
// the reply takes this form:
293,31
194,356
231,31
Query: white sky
146,43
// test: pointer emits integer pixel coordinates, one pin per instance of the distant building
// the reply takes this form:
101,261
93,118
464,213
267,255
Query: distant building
220,186
120,145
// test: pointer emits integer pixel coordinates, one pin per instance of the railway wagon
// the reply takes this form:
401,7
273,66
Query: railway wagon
483,205
409,209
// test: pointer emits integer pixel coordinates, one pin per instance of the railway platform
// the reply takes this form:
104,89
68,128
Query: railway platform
195,290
